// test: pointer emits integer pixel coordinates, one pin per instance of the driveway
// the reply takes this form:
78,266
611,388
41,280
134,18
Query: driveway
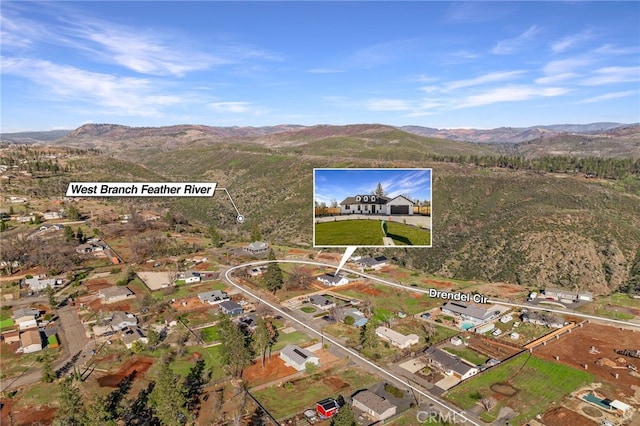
415,220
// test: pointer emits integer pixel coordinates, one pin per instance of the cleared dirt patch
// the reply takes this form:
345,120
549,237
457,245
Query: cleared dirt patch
490,348
274,369
624,310
438,284
190,304
363,288
335,383
564,417
97,284
30,416
504,389
574,349
137,366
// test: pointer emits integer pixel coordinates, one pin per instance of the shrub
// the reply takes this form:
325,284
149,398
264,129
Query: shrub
349,320
392,390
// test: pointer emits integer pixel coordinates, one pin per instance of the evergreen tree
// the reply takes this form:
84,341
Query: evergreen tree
98,414
235,353
215,236
167,398
80,235
48,374
273,275
368,337
68,234
51,295
255,232
344,417
379,192
71,411
261,339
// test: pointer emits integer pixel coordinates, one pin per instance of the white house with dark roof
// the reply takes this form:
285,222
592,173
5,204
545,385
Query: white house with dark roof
130,335
449,364
372,262
321,302
373,406
120,320
372,204
298,358
39,283
213,297
333,280
231,308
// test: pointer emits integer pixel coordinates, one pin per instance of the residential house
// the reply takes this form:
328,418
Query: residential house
333,280
120,320
31,341
397,339
115,294
133,334
213,297
372,204
231,308
372,262
567,296
545,319
321,302
257,271
374,406
469,312
298,358
359,319
39,283
52,215
26,318
456,341
192,279
257,247
249,322
327,408
11,337
449,364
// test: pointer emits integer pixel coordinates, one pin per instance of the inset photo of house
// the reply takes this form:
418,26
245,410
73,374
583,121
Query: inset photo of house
372,207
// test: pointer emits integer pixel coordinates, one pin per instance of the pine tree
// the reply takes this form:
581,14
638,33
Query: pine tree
261,338
379,192
71,411
344,417
273,275
167,398
368,337
235,353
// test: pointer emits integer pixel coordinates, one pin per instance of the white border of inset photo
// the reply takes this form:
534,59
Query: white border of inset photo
348,188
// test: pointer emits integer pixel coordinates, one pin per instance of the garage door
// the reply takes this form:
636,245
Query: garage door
399,209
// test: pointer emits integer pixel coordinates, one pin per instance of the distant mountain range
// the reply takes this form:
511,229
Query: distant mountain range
513,134
603,139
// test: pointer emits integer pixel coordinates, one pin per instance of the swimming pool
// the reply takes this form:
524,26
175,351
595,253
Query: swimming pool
595,400
467,325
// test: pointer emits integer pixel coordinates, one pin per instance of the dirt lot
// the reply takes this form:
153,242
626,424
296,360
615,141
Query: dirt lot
275,368
136,365
490,348
189,304
564,417
362,288
500,290
439,284
26,415
97,284
574,349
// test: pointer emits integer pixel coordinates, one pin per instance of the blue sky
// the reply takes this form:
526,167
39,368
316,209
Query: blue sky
338,184
436,64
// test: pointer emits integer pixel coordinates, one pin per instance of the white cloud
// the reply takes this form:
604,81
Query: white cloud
509,94
609,96
325,71
508,46
612,49
388,105
553,79
236,107
612,75
567,42
483,79
565,66
116,95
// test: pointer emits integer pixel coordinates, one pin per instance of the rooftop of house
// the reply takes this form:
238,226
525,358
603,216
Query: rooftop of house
473,311
320,300
115,291
297,354
372,261
372,401
448,361
213,295
229,305
365,199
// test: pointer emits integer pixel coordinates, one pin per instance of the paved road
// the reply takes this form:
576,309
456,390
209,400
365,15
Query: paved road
458,414
74,341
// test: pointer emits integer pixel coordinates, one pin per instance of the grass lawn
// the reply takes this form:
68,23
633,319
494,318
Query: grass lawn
294,397
385,297
305,309
468,354
209,334
5,323
368,233
538,383
294,338
597,307
211,357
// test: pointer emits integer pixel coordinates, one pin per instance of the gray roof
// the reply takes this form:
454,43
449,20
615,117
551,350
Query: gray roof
448,361
213,295
229,306
320,300
331,278
297,354
115,292
24,312
132,334
372,261
469,310
352,200
374,402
